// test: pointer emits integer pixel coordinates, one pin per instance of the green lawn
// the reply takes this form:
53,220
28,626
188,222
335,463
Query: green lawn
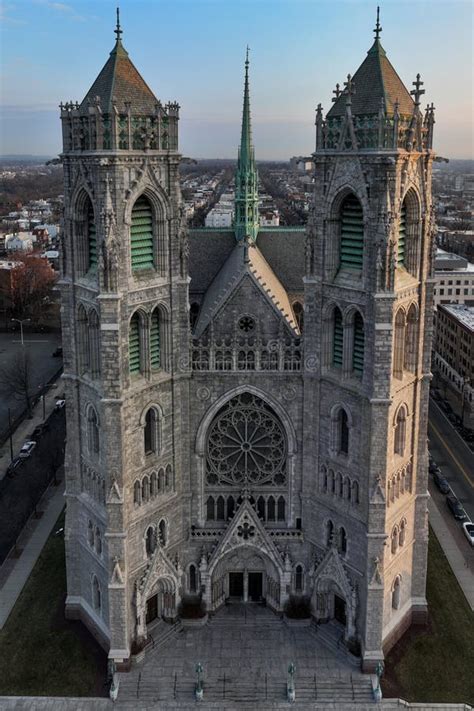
436,663
42,653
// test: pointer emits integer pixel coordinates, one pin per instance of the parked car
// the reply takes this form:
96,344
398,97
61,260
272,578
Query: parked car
27,448
441,482
468,529
455,507
60,404
13,467
58,353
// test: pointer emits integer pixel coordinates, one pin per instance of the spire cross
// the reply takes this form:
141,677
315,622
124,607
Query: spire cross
349,89
417,91
337,91
378,26
118,30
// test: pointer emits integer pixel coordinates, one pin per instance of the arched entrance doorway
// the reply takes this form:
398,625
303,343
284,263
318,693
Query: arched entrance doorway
246,574
332,603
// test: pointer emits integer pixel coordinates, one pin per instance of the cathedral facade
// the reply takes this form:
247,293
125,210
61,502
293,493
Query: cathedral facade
247,408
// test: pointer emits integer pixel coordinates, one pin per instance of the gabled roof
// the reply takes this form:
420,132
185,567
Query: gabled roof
236,266
120,80
376,79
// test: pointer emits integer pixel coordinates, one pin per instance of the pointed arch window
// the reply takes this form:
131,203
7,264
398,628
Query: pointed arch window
342,540
151,432
343,432
220,509
352,234
400,432
141,235
210,512
96,595
162,533
192,578
358,347
261,507
401,237
329,532
281,508
155,340
150,540
83,348
271,508
230,507
92,431
338,339
396,593
134,354
299,579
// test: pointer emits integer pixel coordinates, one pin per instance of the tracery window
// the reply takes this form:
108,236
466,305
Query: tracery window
246,445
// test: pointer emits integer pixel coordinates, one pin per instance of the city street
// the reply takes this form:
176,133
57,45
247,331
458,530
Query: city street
43,365
455,460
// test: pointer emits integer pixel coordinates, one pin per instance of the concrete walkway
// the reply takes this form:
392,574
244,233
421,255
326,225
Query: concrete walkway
25,428
456,560
51,504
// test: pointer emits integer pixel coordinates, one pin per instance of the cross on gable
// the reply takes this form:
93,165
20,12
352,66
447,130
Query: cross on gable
417,91
349,87
337,91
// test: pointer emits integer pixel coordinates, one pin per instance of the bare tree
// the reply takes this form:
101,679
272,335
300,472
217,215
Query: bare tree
32,282
16,381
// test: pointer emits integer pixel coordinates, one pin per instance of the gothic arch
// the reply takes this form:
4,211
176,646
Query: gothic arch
200,446
151,405
336,200
410,213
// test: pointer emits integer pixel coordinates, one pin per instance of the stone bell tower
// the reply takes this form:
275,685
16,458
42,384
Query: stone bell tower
125,322
368,316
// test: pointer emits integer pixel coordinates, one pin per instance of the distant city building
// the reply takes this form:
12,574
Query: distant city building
454,279
219,217
269,218
19,242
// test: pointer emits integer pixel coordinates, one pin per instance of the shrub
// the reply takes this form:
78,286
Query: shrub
192,608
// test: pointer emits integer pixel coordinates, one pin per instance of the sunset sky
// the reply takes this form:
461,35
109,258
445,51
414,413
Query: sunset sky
193,51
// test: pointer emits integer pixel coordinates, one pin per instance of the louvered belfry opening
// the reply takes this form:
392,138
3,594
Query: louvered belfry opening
134,344
358,350
352,234
91,237
141,235
401,237
338,338
155,341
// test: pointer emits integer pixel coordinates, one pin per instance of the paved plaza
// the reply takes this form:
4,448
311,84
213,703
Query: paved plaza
245,651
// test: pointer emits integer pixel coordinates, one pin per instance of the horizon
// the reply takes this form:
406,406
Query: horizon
289,76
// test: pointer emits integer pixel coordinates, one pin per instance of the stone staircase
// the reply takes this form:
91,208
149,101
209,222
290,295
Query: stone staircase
332,638
251,689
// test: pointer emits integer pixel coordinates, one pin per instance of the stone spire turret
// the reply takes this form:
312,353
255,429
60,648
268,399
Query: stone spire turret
246,177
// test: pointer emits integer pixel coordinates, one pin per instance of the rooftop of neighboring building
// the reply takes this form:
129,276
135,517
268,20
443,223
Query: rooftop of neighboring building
464,314
452,263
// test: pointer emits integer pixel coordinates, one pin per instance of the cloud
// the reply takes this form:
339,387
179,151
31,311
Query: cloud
6,18
63,8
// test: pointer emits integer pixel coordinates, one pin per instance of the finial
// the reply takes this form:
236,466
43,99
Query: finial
247,55
417,91
378,26
337,91
349,89
118,31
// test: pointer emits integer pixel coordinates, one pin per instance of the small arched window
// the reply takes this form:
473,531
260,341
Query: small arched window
339,484
271,509
396,593
411,329
145,489
338,339
329,532
220,509
281,508
153,484
352,234
155,340
92,431
96,594
343,432
137,493
90,534
400,432
98,541
298,311
261,507
192,579
230,507
399,344
150,540
162,533
134,350
358,347
151,432
355,492
141,235
94,343
161,481
299,579
210,512
394,540
402,533
83,335
169,478
342,540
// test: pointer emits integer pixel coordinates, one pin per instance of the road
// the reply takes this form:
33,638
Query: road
40,347
456,461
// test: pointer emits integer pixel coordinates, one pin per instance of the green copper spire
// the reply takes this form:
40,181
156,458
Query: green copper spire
246,177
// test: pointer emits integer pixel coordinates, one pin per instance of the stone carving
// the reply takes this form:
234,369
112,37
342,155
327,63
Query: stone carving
115,493
376,578
117,575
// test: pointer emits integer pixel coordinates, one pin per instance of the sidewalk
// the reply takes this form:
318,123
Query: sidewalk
455,558
51,504
25,429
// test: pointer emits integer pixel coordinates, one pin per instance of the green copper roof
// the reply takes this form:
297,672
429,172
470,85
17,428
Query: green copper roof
119,80
246,176
376,79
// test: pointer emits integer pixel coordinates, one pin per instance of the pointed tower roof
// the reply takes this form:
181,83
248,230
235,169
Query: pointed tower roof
374,81
121,82
246,149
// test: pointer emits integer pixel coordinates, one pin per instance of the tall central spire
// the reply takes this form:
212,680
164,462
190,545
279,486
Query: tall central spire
246,177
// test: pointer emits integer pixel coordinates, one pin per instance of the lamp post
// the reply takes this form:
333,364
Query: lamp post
21,321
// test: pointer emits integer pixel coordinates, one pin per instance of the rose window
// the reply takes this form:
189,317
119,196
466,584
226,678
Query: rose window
246,445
